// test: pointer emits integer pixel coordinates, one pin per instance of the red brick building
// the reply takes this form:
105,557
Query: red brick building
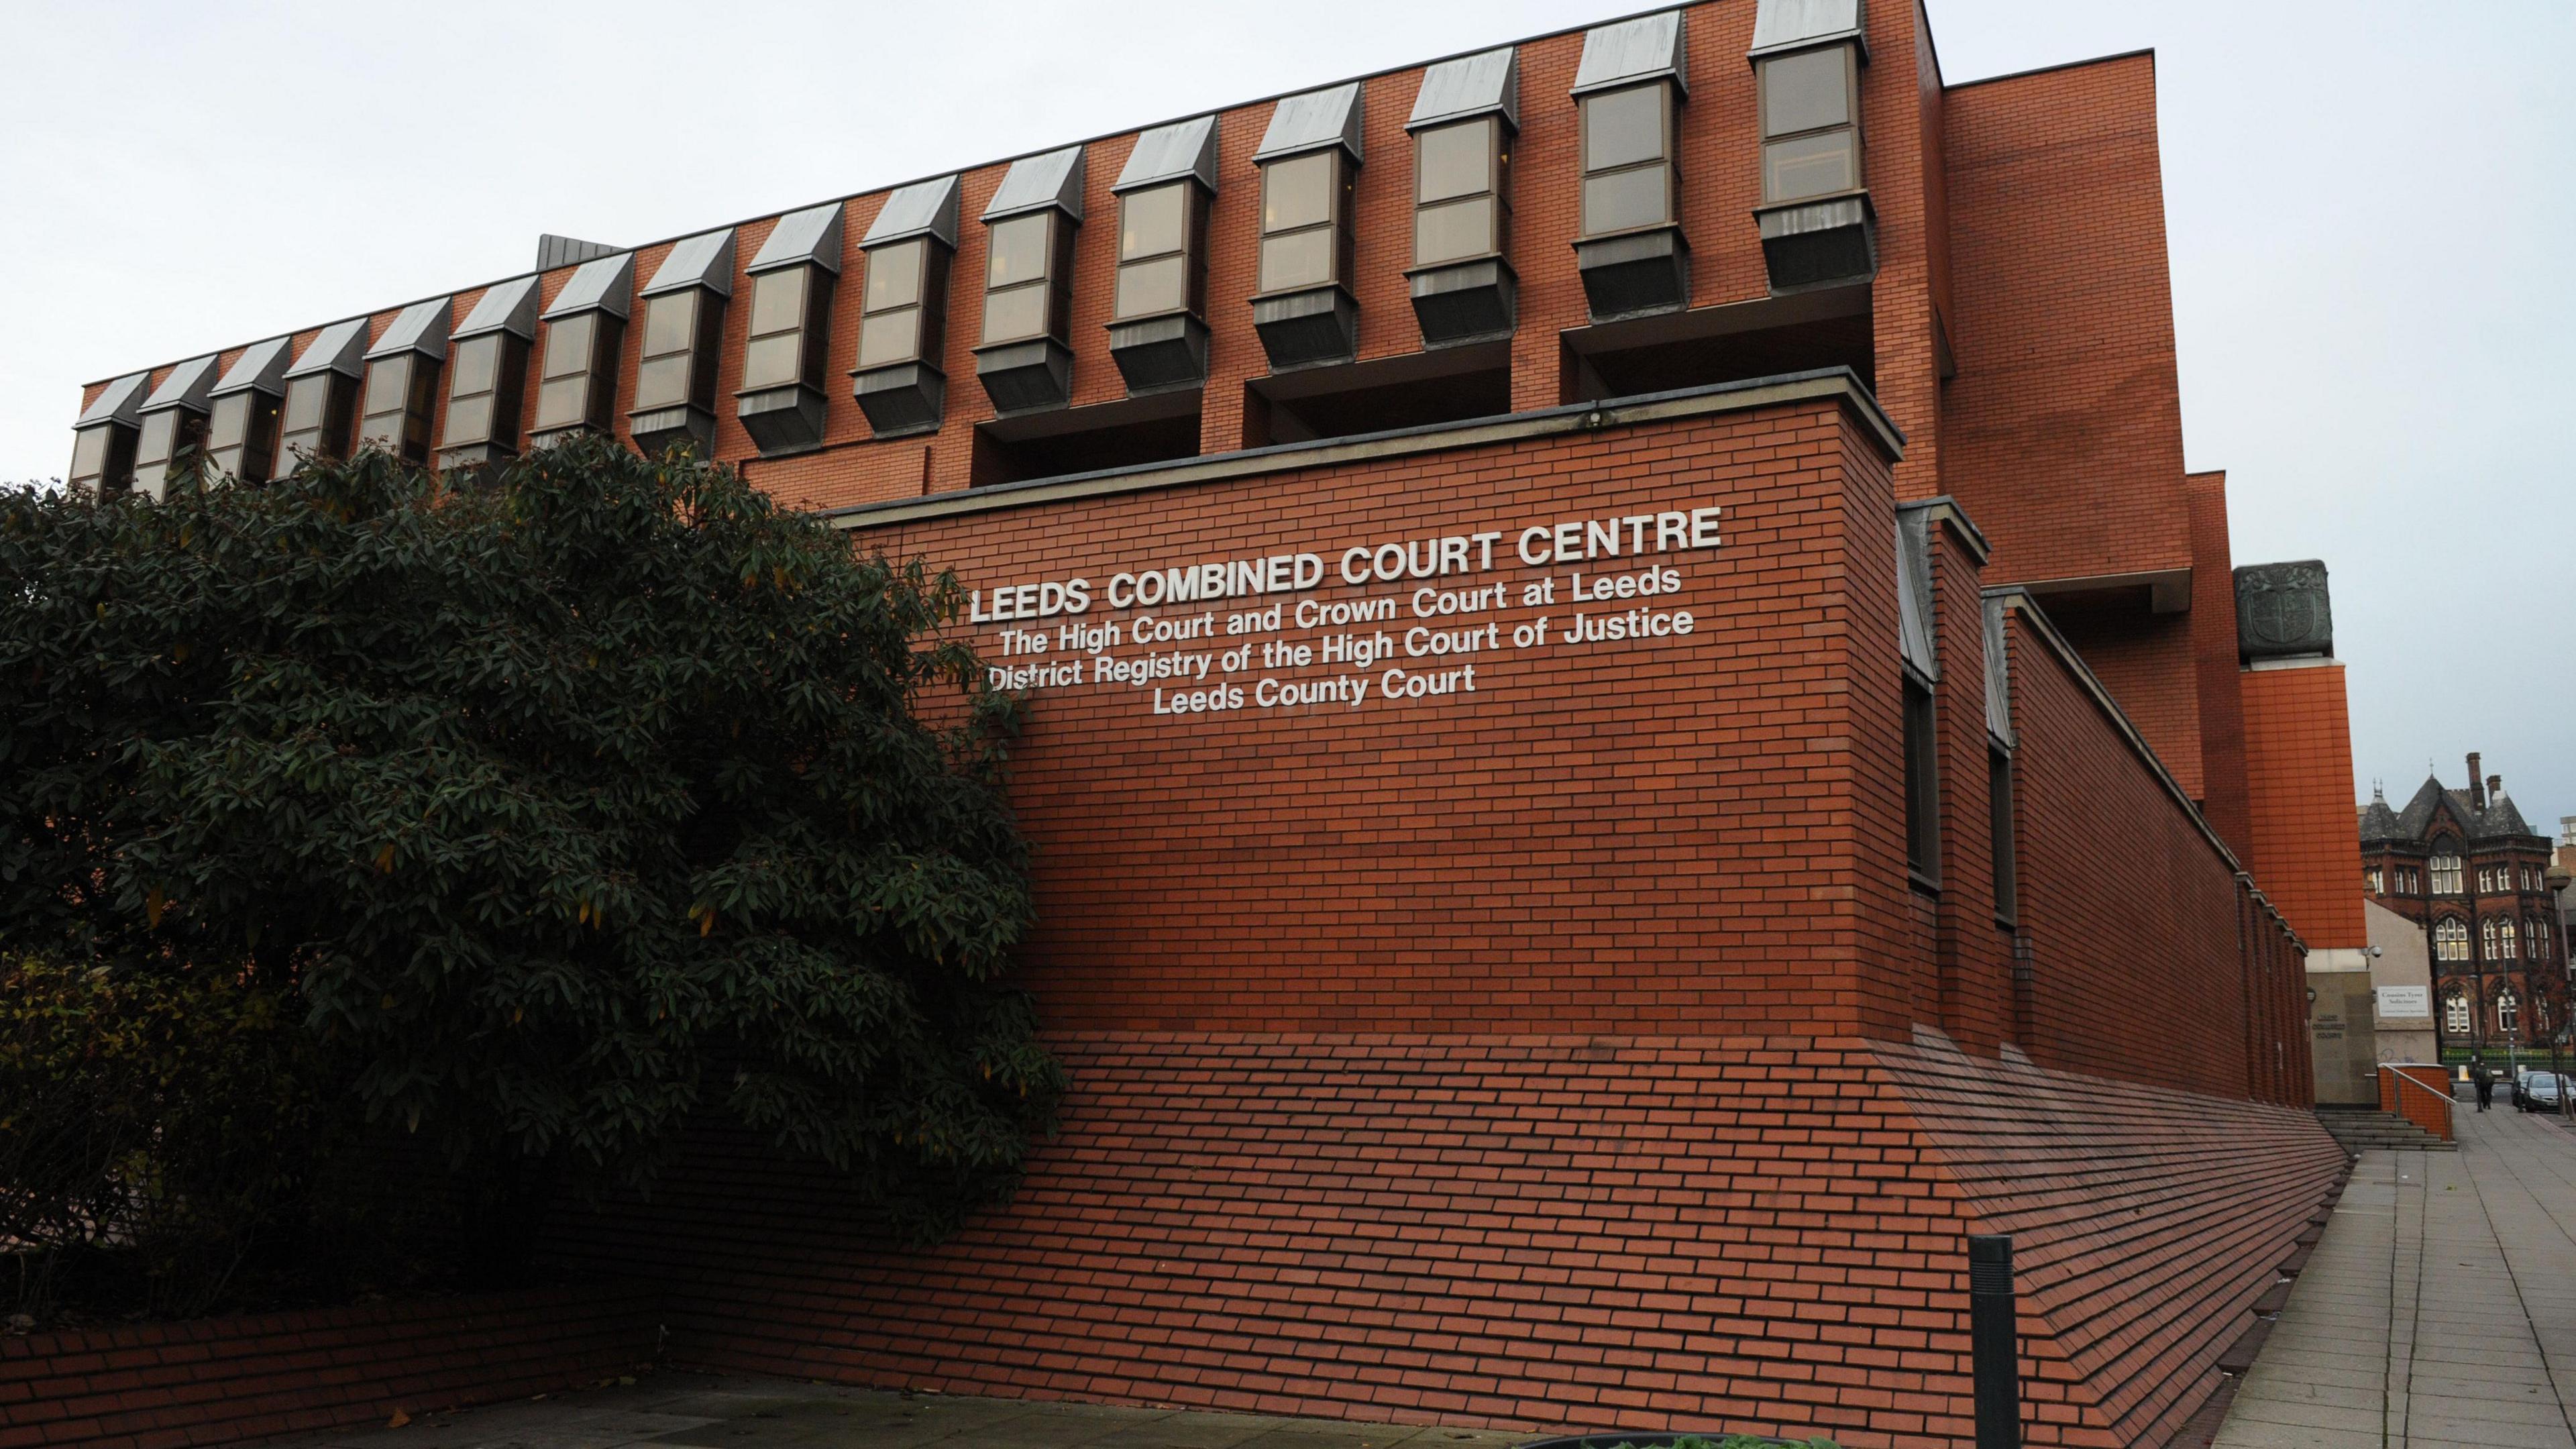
1635,728
2466,866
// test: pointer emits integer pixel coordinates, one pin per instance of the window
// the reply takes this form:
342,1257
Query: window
241,441
1461,193
1157,251
895,323
1028,284
2446,874
1810,124
166,435
2450,941
1628,176
2370,881
1999,797
2508,1014
317,417
401,391
2500,940
2455,1015
103,458
674,370
1305,221
2536,936
573,374
783,322
487,377
1922,784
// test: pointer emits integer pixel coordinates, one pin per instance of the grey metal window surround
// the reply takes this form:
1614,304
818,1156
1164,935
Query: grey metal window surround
1629,89
675,369
1817,225
780,400
103,438
577,362
1463,122
1158,328
1303,307
1021,356
174,421
249,401
900,381
402,381
322,395
1920,671
487,376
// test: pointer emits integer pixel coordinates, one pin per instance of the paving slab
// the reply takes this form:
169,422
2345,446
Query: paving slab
2439,1308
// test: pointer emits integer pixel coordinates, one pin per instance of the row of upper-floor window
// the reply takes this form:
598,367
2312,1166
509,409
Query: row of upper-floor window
2456,1013
1807,100
2449,878
2498,936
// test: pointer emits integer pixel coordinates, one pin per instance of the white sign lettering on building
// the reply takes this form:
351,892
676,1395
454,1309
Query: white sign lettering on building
1215,636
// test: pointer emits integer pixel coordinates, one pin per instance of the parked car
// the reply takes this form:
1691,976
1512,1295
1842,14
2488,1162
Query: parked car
2537,1091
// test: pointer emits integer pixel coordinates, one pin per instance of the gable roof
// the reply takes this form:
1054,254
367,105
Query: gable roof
2426,812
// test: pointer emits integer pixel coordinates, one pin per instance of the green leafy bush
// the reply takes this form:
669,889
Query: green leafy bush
168,1117
556,812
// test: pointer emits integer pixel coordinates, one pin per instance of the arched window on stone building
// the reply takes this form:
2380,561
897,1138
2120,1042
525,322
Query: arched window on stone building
2455,1015
2508,1011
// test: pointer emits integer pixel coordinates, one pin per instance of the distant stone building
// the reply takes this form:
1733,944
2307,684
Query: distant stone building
2473,875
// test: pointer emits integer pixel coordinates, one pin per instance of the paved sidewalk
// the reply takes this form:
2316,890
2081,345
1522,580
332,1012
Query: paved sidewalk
750,1413
2439,1309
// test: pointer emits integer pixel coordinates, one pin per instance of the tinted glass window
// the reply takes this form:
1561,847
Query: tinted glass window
1803,92
385,383
1019,250
777,301
771,361
667,322
1623,199
563,402
568,344
662,382
1622,128
1453,161
475,359
231,425
894,275
1149,222
890,337
304,399
1457,229
1020,312
1156,286
1299,260
89,453
1297,192
1808,166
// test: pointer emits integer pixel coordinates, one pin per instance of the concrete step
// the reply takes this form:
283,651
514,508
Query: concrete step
2359,1132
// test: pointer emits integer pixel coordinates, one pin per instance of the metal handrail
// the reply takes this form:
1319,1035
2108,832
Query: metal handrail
2449,1127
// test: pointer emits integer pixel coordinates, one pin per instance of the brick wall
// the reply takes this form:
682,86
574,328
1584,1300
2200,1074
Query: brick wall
231,1380
1529,1231
2298,769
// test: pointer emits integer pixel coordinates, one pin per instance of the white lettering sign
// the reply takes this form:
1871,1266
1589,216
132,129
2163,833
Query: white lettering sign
2404,1001
1207,637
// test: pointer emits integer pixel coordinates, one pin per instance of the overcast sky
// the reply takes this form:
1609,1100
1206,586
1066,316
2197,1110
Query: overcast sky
2369,208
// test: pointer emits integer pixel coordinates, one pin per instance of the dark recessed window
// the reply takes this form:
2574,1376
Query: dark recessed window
241,435
103,439
1922,783
174,423
1999,799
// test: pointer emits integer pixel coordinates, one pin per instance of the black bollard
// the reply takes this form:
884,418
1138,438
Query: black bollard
1994,1341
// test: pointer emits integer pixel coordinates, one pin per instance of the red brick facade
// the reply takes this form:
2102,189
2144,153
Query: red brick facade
226,1380
1591,1041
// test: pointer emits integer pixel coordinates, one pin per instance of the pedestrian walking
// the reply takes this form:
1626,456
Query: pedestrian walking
2483,1080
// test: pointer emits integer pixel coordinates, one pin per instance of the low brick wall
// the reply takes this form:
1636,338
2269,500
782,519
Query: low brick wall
231,1380
2429,1108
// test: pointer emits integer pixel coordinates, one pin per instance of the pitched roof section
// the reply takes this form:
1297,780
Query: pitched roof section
2378,822
2426,812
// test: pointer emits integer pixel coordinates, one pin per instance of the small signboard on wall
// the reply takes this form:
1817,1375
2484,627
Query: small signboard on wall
2404,1001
